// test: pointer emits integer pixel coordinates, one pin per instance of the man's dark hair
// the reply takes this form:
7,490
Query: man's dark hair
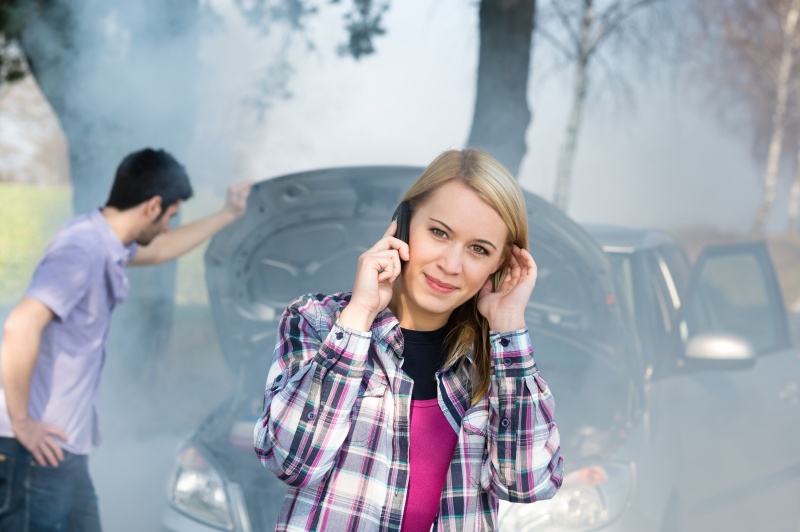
147,173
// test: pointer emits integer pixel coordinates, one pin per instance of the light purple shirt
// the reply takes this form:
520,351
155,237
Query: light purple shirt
80,278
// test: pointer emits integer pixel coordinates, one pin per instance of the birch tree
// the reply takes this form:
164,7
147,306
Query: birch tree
788,11
794,197
578,30
752,60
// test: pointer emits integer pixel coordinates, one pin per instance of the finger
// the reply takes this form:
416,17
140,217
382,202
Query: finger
527,259
396,267
57,451
390,242
390,231
37,455
386,273
48,454
381,261
55,431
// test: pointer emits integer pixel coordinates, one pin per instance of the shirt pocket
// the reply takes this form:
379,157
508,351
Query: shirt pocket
368,411
474,427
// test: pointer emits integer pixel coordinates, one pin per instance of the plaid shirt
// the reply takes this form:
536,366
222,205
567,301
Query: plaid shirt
336,423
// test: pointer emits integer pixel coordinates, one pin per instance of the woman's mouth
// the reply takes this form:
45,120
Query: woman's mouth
439,286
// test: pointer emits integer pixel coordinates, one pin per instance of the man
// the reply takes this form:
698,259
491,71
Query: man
54,343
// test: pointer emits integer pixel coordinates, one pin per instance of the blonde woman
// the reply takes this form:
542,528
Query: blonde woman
414,402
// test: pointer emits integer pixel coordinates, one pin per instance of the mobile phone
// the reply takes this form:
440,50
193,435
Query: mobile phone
403,216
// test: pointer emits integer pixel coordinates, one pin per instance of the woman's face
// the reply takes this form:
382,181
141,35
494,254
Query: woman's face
457,241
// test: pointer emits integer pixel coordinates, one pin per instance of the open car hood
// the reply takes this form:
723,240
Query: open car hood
304,233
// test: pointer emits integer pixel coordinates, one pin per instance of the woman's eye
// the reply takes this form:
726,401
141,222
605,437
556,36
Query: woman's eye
438,232
480,250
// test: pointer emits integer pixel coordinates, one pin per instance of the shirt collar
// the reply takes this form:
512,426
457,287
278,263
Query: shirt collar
121,253
386,328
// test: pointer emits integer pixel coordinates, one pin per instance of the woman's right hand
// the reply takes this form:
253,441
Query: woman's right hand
378,268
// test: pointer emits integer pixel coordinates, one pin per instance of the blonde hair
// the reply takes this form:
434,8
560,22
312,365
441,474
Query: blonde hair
497,187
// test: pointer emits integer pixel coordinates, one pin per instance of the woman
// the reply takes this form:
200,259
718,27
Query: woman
414,401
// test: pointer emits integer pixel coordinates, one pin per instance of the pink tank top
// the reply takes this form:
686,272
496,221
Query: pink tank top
432,442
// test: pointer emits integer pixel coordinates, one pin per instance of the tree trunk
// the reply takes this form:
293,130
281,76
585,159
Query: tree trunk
120,76
502,115
794,198
569,147
779,117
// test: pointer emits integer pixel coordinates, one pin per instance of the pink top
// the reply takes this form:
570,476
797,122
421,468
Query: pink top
432,443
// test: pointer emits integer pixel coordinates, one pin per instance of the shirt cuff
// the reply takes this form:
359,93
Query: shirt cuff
512,353
345,350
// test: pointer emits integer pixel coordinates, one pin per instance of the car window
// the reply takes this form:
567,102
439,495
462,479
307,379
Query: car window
731,296
567,297
622,267
678,265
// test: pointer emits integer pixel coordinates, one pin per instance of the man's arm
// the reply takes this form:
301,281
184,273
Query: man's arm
18,354
176,242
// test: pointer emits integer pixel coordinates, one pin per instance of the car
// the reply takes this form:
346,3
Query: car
714,426
656,423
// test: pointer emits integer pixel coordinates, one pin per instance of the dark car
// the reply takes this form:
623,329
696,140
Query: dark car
624,433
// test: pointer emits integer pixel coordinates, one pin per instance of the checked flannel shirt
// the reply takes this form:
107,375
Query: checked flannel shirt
335,426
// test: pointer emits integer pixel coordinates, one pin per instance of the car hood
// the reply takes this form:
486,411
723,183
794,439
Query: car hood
304,232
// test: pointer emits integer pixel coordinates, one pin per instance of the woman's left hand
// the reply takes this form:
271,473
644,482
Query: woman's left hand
505,308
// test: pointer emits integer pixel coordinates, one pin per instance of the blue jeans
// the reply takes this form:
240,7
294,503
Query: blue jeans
45,499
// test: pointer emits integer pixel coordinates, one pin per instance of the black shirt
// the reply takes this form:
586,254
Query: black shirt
423,355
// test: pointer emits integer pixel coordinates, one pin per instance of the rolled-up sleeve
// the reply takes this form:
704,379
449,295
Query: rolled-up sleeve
524,457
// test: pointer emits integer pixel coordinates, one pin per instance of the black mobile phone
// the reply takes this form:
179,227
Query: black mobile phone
403,216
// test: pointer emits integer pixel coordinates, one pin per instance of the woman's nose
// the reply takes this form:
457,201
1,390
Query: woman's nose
451,261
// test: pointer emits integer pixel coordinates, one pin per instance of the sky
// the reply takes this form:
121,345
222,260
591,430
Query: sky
657,161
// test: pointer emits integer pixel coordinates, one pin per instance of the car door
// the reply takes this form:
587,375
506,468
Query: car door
739,428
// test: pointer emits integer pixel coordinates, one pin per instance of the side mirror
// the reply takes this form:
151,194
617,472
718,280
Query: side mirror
717,352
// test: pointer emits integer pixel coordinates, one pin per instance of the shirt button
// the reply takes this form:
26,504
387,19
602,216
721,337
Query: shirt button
339,335
504,342
312,416
507,362
278,378
505,422
331,354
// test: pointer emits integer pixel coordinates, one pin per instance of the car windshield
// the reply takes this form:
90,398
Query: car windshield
576,303
622,269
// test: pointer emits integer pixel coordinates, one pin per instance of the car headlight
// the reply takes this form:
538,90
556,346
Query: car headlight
196,489
589,498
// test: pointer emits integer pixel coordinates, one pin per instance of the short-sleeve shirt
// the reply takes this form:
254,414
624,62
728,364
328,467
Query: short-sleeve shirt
80,278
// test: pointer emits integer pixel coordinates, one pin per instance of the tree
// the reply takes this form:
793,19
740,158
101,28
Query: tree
120,75
754,51
579,30
501,115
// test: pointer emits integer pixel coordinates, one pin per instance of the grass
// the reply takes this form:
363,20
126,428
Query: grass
31,216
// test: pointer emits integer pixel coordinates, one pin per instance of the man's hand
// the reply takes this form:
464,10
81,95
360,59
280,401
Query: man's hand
39,439
236,200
